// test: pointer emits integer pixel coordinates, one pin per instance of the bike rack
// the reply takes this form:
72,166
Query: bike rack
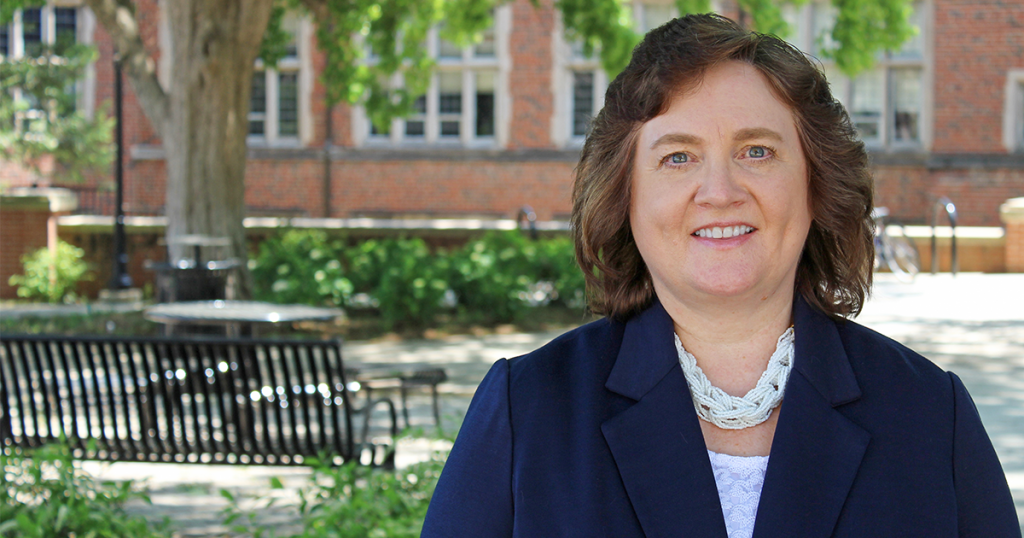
944,204
526,213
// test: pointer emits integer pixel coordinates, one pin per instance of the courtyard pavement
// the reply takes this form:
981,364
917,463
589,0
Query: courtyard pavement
971,324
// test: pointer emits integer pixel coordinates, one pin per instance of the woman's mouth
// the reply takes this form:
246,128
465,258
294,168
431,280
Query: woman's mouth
725,232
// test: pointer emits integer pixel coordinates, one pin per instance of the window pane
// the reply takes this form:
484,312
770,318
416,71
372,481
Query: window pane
914,47
449,128
582,102
450,85
258,103
485,104
656,15
824,18
906,88
486,47
32,31
414,126
5,40
1020,115
866,104
288,104
450,106
66,23
291,26
447,49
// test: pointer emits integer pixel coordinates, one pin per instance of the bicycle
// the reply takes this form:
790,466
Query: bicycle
897,252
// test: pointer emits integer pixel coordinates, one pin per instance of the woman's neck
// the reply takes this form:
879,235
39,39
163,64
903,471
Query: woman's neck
732,340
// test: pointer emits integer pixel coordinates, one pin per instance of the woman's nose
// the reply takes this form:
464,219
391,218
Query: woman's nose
718,186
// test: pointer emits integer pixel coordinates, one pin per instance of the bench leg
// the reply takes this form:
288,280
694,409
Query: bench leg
437,407
405,405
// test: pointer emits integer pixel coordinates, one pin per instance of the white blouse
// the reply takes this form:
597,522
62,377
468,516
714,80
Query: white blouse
739,480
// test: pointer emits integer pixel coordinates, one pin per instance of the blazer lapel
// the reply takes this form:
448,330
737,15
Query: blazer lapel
657,442
816,451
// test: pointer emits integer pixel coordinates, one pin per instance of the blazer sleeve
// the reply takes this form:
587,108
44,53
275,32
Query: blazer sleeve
984,504
474,493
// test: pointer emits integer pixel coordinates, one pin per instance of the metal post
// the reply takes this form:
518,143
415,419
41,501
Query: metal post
119,279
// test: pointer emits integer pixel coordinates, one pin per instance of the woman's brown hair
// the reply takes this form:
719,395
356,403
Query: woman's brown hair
834,274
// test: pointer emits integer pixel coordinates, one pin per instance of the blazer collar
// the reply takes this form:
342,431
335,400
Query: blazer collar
820,356
660,452
648,353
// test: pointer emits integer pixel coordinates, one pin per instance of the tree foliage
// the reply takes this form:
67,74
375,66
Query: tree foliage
41,117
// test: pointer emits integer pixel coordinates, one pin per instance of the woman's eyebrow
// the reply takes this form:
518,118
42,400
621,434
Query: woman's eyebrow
677,138
753,133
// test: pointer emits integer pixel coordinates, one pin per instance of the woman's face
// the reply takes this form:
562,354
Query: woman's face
720,205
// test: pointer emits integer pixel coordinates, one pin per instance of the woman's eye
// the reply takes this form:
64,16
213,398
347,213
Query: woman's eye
757,152
678,158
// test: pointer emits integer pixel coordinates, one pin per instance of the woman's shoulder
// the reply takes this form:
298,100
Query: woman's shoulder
880,360
590,348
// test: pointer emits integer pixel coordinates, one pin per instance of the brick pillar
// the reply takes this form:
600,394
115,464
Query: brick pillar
28,222
1012,214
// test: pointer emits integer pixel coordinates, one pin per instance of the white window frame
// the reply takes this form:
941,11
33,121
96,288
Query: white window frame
302,65
469,66
85,25
567,62
842,86
1013,112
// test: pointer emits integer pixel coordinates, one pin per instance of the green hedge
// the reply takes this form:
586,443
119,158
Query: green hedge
494,278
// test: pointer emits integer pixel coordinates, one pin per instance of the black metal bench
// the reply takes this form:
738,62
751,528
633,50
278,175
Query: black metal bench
403,378
200,399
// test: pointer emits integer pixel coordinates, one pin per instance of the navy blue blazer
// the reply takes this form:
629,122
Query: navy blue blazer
595,434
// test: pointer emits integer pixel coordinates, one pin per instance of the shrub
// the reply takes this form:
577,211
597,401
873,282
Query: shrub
353,501
301,266
556,263
492,275
59,286
406,280
43,495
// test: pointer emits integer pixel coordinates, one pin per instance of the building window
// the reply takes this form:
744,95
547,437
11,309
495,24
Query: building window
1013,111
886,103
277,100
461,105
33,31
582,81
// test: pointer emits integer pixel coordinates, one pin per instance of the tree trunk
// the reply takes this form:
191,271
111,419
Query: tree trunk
215,43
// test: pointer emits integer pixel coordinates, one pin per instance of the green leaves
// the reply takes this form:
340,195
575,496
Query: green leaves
51,278
494,278
354,501
866,27
44,495
43,120
604,27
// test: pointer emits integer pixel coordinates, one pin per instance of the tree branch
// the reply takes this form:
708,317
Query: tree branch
118,19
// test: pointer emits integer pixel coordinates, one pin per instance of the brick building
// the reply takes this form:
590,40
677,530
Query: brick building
502,123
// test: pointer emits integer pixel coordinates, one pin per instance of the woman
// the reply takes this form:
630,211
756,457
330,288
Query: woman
722,217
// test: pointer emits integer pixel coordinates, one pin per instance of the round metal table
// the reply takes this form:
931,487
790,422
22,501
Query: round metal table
234,315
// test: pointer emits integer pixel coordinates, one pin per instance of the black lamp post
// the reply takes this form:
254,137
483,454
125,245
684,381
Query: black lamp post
119,279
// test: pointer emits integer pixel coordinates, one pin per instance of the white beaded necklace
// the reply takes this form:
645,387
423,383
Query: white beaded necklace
732,412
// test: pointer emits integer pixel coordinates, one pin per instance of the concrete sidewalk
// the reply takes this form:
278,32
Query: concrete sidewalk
972,324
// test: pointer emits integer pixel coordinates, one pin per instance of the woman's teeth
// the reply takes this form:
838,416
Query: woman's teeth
723,233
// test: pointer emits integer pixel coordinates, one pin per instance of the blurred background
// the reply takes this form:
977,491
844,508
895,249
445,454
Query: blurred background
398,173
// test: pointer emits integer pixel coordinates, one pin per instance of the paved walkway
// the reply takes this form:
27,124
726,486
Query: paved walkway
972,324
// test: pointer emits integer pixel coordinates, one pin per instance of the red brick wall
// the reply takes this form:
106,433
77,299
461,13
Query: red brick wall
452,187
976,41
530,79
1015,247
911,192
22,230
